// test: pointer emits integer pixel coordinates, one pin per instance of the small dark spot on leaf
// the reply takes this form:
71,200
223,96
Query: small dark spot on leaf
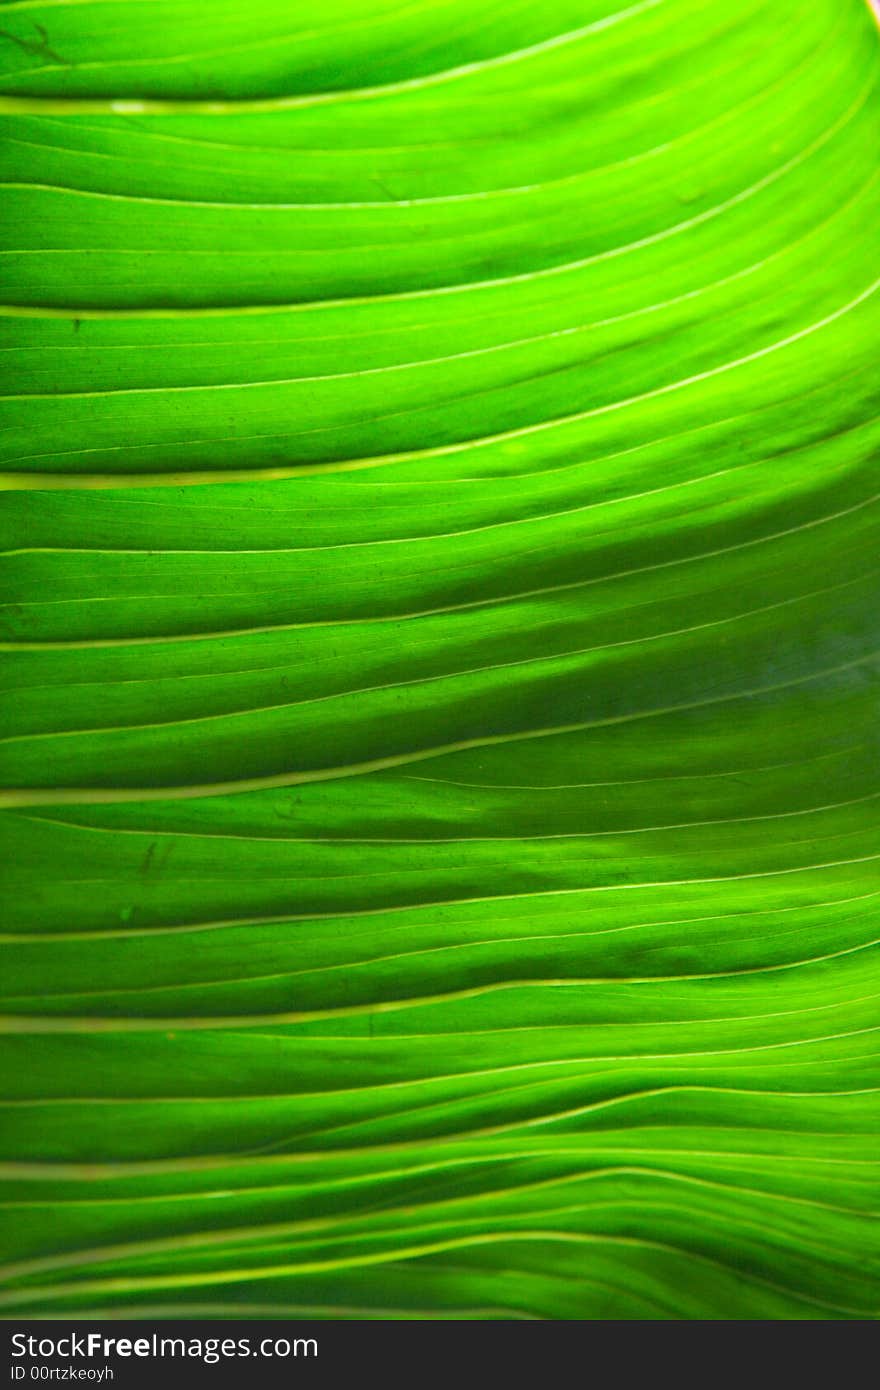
36,48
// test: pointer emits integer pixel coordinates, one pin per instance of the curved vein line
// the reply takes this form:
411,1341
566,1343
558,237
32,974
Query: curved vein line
159,106
100,642
545,272
95,795
562,657
38,480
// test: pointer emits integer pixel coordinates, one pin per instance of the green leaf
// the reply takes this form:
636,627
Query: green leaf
440,745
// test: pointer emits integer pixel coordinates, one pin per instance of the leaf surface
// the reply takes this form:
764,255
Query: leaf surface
439,764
